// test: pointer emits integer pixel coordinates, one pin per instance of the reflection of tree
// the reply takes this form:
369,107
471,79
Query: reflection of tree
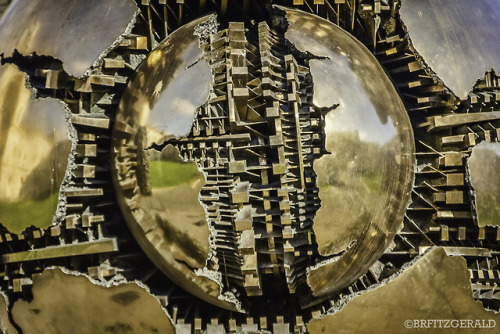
354,182
174,204
143,179
353,161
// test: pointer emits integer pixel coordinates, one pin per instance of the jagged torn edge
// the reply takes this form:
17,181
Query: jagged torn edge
117,280
280,18
72,133
344,300
203,31
281,13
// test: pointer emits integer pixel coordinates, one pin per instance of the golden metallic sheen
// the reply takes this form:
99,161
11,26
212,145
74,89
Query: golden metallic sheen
457,38
165,214
365,180
75,32
67,303
34,150
6,326
436,287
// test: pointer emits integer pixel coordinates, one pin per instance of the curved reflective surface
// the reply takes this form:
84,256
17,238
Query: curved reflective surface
75,32
34,150
416,291
364,174
157,190
457,38
484,169
365,179
92,308
174,204
167,89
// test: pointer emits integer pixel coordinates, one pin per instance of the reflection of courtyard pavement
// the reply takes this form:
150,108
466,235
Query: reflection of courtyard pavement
179,213
344,215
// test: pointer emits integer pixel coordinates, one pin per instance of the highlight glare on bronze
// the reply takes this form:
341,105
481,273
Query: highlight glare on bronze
34,151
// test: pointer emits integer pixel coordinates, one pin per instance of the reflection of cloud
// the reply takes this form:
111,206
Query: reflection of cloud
175,109
183,106
336,82
486,146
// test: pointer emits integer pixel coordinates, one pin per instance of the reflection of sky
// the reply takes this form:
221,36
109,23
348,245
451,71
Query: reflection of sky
486,146
42,116
336,83
302,42
174,111
71,31
459,39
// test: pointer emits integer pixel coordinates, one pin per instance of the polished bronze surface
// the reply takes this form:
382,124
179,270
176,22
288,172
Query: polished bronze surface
104,245
174,203
365,179
367,165
457,38
75,32
216,165
437,286
163,96
34,150
166,217
69,303
6,326
484,169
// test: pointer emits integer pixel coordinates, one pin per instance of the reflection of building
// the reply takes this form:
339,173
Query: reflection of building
31,142
17,162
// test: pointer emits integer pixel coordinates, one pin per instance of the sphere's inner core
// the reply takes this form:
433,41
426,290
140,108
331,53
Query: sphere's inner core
230,204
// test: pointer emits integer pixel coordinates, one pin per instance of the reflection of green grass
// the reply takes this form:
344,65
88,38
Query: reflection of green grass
488,210
373,181
19,215
170,173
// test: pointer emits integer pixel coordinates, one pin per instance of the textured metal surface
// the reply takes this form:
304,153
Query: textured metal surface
458,39
34,151
228,141
274,263
82,248
365,181
75,32
64,303
484,169
160,103
380,173
162,98
435,287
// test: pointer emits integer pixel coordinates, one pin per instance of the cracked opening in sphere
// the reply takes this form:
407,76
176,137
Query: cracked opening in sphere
291,133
